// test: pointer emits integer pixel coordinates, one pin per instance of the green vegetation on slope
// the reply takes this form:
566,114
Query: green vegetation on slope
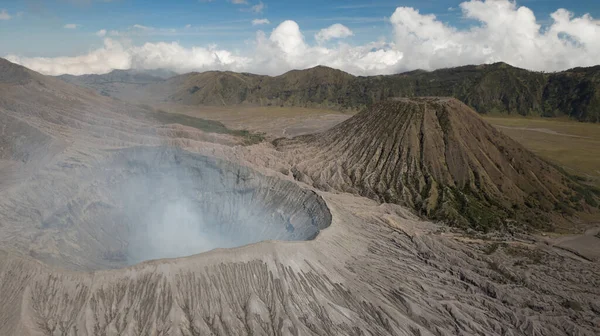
489,89
575,93
209,126
437,156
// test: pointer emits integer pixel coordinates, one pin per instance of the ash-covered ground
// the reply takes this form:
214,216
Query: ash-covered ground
95,194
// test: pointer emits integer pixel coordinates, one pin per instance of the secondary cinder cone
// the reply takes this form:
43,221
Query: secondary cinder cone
439,157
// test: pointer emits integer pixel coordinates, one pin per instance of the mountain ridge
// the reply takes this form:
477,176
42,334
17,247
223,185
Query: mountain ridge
496,88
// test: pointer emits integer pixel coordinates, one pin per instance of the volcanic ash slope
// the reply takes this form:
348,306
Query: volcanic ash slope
68,157
436,155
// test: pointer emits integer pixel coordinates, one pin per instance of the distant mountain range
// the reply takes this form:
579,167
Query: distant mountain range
123,84
122,76
489,89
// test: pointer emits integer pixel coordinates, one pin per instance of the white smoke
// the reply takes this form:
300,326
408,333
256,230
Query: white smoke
174,205
165,216
175,228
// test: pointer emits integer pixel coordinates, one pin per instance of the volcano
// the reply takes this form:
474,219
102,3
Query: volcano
437,156
117,219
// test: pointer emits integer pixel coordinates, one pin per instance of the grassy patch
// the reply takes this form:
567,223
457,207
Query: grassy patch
250,138
182,119
569,144
465,211
209,126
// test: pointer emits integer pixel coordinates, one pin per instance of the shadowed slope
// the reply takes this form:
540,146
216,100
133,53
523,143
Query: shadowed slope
121,84
316,87
56,107
13,74
208,88
439,157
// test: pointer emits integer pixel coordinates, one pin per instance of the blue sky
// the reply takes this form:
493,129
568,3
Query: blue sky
36,28
371,37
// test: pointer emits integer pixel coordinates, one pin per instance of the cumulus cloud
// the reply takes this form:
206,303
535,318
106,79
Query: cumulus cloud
111,56
503,32
101,33
257,22
118,55
71,26
239,2
335,31
4,15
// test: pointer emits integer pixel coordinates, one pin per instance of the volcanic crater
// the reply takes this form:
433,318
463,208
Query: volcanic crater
158,202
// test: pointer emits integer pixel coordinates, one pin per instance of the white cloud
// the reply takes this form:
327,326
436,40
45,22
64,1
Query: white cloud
71,26
139,26
258,8
335,31
286,49
504,32
288,38
188,26
101,33
257,22
4,15
111,56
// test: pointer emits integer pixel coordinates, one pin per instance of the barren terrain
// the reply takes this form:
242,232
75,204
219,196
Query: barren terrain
115,221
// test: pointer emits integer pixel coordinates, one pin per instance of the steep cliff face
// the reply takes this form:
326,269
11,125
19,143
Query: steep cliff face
574,93
437,156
